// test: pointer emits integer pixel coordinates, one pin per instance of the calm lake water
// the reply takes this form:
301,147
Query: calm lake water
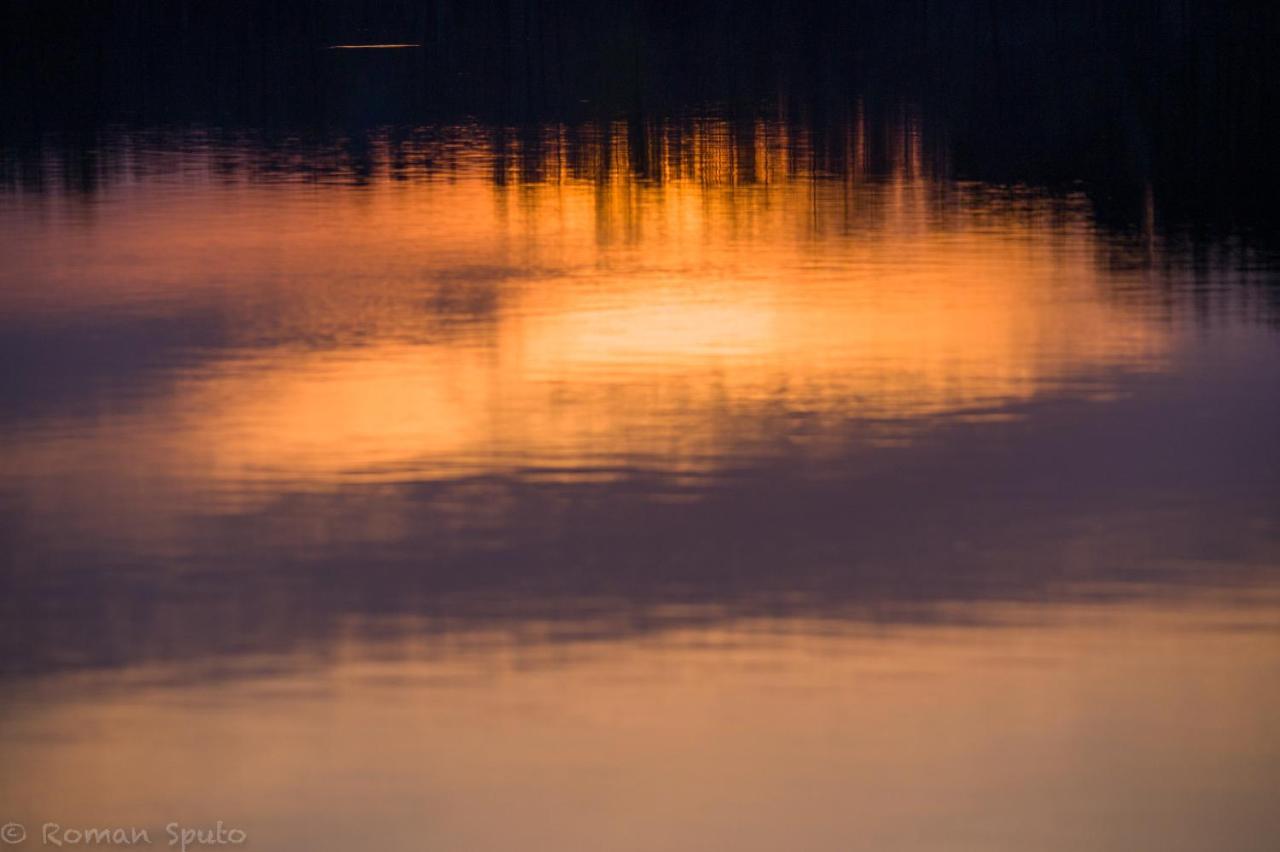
688,483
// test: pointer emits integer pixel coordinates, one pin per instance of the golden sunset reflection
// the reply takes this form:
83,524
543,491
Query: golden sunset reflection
599,316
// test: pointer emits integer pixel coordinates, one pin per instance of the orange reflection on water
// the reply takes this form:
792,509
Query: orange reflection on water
673,317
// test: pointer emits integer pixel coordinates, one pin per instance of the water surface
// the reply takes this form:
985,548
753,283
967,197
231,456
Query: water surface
671,483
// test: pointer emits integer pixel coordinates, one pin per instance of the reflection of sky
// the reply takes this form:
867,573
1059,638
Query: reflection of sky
603,498
427,329
1048,728
597,386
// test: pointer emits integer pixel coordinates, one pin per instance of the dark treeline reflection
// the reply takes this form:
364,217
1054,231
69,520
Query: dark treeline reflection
1206,266
857,148
712,147
1170,94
